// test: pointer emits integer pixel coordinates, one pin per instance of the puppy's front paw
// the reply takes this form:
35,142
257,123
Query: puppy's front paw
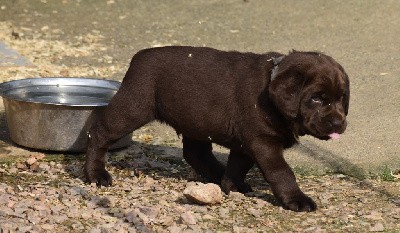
300,203
99,176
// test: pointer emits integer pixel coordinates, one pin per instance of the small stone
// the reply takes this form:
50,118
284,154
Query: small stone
95,230
374,215
38,156
188,218
147,181
11,203
256,213
34,167
166,220
203,193
207,217
44,166
260,203
86,215
174,229
34,219
47,227
104,202
131,216
151,212
64,72
21,166
238,229
60,218
236,195
223,212
31,161
363,200
377,227
13,170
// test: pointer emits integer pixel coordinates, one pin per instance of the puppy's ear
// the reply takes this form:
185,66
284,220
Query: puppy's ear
286,86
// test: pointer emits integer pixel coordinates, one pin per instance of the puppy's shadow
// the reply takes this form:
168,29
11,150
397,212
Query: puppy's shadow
163,161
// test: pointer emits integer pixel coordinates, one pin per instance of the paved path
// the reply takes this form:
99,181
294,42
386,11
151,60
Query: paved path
10,57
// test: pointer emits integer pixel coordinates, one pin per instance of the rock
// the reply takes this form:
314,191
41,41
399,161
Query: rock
255,212
86,215
205,194
374,215
174,229
44,166
21,166
38,156
151,212
31,161
238,229
13,170
223,212
131,216
104,202
236,195
34,167
207,217
260,203
377,227
95,230
188,218
47,227
166,220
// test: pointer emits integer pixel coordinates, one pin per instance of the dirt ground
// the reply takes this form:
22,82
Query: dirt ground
351,178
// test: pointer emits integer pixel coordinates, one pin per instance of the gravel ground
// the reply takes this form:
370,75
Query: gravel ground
45,193
42,192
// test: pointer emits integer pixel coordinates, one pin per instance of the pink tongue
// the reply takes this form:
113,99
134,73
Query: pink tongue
334,136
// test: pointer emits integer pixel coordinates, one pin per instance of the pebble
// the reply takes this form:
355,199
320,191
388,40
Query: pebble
236,196
13,170
21,166
44,166
255,212
157,204
205,194
30,161
377,228
188,218
174,229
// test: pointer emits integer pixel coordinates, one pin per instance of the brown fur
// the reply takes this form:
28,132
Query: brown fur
228,98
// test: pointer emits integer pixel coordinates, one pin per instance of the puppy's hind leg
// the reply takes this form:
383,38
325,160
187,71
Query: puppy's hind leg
238,166
200,157
123,115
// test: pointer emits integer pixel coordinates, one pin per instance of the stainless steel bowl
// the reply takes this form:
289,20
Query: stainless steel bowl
56,113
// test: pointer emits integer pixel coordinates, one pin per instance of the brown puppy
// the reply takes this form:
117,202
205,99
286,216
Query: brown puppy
254,104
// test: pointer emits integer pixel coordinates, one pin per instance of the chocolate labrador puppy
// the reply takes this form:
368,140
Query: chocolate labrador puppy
254,104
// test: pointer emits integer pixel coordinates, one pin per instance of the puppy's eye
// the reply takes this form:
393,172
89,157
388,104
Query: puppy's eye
316,100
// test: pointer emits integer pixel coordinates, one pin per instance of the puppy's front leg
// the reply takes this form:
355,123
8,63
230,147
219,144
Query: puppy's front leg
268,156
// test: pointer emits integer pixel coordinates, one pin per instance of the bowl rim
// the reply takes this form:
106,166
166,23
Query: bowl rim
57,81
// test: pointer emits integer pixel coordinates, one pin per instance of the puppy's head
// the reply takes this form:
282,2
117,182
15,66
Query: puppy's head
312,91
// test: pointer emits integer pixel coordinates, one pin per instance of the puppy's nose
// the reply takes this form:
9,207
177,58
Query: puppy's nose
336,122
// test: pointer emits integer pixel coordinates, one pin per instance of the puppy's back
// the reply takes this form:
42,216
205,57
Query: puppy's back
197,90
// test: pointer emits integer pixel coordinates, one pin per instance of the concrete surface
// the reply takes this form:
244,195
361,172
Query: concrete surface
9,57
362,35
